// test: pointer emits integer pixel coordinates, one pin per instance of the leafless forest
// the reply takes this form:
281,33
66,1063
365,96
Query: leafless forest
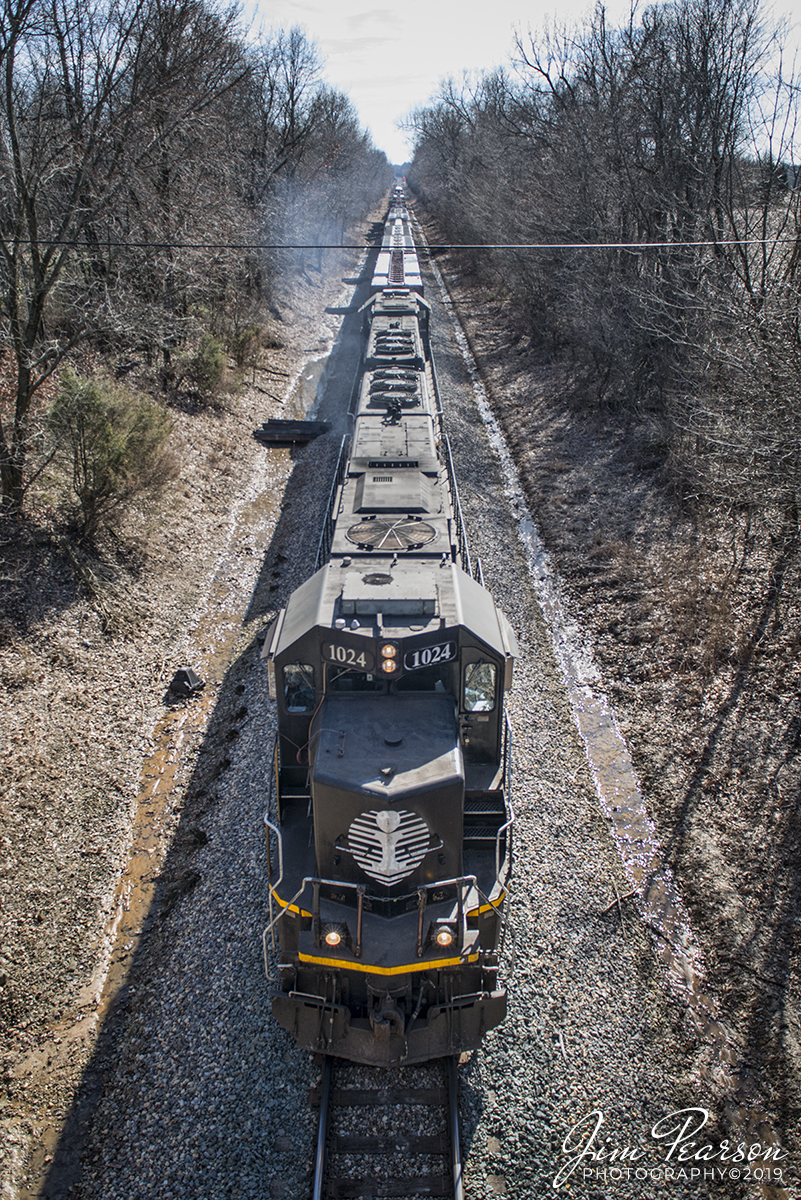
634,309
670,141
147,150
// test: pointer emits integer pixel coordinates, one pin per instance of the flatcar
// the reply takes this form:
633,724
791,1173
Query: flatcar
389,829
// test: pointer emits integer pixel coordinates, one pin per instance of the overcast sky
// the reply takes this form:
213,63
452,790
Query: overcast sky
389,58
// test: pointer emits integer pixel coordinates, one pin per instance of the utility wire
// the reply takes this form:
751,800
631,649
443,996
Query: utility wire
100,245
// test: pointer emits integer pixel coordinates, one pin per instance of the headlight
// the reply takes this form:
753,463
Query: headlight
443,936
388,657
334,935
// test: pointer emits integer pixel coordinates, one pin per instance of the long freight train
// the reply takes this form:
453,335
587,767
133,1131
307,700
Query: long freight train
390,821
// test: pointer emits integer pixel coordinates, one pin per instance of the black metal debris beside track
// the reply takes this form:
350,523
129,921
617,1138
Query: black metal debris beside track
290,433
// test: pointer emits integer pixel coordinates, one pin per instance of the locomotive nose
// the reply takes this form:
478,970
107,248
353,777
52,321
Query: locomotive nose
387,785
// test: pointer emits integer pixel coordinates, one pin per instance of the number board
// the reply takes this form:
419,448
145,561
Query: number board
429,656
348,656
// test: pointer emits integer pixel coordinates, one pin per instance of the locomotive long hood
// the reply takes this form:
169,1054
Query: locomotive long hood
387,782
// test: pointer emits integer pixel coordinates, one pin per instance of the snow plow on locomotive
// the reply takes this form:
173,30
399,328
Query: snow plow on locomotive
390,826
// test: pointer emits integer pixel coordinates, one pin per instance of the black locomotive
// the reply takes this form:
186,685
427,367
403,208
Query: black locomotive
390,823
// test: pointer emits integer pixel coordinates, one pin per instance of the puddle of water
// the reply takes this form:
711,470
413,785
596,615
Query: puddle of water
621,799
307,389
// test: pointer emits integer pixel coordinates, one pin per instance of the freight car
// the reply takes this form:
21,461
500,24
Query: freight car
397,264
390,822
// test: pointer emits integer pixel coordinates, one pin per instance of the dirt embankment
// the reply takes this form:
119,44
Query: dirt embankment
695,621
85,664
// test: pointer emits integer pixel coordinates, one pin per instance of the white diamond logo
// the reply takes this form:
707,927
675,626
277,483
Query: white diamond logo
389,844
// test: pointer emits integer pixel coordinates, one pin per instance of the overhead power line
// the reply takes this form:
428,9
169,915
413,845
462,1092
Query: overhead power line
620,245
133,245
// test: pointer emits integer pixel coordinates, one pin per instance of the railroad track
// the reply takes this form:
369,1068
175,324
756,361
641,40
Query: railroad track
387,1134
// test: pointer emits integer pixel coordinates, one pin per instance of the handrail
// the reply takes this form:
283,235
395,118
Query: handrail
272,787
508,735
507,791
462,883
461,529
437,398
269,825
506,754
327,534
269,931
270,928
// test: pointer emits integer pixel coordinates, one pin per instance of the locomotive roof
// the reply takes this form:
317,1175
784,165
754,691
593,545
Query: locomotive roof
414,594
394,300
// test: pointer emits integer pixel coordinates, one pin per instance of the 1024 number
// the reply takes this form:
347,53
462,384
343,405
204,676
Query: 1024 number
429,656
348,656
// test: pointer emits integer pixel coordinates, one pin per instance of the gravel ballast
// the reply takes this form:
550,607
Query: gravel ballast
187,1089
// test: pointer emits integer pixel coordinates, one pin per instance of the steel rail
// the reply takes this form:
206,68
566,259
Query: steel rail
329,1144
453,1129
322,1129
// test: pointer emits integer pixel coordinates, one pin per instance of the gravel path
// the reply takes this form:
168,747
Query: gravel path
193,1093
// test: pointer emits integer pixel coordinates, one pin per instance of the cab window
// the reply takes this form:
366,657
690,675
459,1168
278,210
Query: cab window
299,687
479,687
346,680
427,679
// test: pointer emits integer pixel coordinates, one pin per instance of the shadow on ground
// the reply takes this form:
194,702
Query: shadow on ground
288,560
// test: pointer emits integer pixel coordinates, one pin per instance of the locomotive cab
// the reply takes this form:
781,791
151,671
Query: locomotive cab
366,654
393,817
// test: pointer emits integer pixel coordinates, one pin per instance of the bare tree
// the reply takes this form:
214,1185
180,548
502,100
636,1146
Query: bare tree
142,144
87,107
311,168
286,73
674,135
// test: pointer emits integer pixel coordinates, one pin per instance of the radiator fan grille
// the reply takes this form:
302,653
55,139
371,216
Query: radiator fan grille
392,533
